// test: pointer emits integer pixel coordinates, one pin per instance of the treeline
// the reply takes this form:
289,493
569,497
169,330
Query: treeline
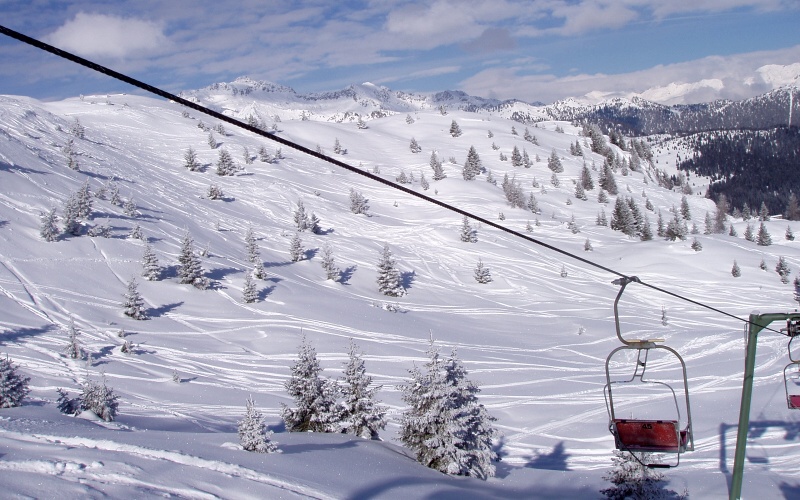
749,167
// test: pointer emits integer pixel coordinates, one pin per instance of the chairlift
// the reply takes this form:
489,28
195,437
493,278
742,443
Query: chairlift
670,434
791,373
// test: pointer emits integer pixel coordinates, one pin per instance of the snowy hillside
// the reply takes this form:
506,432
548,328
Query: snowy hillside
534,340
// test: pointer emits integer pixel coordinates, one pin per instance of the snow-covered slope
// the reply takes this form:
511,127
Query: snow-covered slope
534,340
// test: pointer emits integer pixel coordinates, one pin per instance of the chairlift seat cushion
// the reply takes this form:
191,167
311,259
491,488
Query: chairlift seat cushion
650,435
794,401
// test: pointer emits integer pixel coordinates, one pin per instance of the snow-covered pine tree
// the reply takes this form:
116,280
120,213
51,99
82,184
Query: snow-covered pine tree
389,279
554,162
225,165
190,160
13,386
587,245
214,192
762,265
70,216
482,273
601,220
133,305
748,233
249,291
455,130
190,271
251,246
696,245
516,157
314,396
580,193
67,405
264,155
763,212
151,270
212,142
634,481
300,217
337,146
526,160
129,208
414,146
789,235
329,264
73,350
685,212
48,228
607,181
436,165
100,399
735,270
472,166
468,234
622,219
783,270
676,228
423,182
361,415
358,204
532,204
444,426
763,239
296,250
253,434
84,199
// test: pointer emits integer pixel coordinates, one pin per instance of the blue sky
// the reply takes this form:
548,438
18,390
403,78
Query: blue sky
540,50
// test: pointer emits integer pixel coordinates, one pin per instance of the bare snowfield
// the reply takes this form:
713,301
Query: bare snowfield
518,335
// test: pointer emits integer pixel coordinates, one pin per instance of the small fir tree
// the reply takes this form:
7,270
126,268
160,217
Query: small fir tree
214,192
133,305
436,165
414,146
361,415
783,270
748,233
225,165
389,279
253,434
48,228
789,234
151,270
633,480
251,246
735,270
314,396
190,270
190,160
358,204
73,350
482,273
13,386
762,265
763,239
66,404
296,250
696,245
468,234
472,166
329,264
554,163
100,399
455,130
249,291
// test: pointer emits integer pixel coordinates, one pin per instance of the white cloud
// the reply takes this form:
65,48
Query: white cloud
100,35
732,77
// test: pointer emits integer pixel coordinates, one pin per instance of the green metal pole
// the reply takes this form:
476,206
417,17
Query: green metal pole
757,323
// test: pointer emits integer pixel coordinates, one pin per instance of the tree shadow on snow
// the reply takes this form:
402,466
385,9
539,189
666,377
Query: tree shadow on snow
790,491
97,357
311,253
3,223
408,278
157,312
302,448
347,273
25,170
220,273
555,460
265,292
278,264
20,333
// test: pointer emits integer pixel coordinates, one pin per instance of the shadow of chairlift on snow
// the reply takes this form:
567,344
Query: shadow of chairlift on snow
757,429
555,460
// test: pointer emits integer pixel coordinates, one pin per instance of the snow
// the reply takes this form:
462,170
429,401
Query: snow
517,336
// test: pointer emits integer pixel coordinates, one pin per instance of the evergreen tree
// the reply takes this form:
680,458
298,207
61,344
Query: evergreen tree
84,201
133,305
748,233
685,212
587,246
249,291
314,396
70,216
622,219
190,160
190,270
645,233
763,212
735,270
782,268
389,279
746,214
67,405
762,265
337,147
225,165
789,234
468,234
424,182
251,246
792,209
606,180
13,386
129,208
472,166
676,229
661,229
579,192
732,231
99,399
362,415
358,204
586,178
696,245
253,434
526,160
151,270
329,264
601,196
601,220
635,481
296,250
414,146
436,166
721,215
516,157
48,228
763,239
445,427
455,130
264,155
554,162
73,350
300,217
214,192
482,274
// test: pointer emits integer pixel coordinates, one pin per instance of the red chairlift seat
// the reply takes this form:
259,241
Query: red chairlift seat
659,436
794,401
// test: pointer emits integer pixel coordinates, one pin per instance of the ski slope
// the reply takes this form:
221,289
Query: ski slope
535,341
